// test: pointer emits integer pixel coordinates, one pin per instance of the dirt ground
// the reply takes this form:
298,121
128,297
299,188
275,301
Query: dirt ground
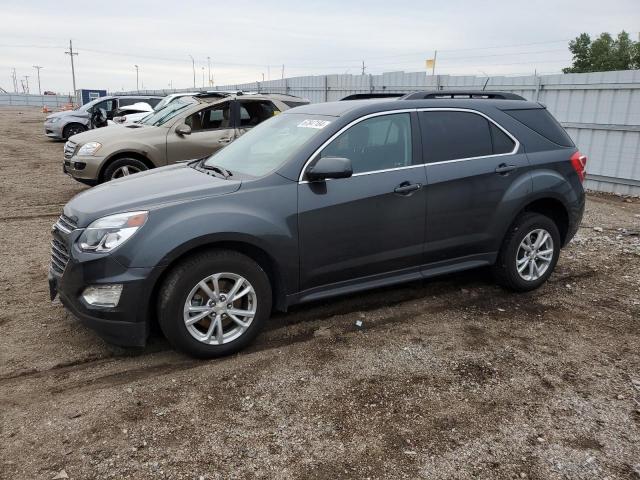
449,378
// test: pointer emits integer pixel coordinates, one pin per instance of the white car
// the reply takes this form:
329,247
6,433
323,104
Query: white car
132,113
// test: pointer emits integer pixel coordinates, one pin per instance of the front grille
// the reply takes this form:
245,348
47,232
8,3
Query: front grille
66,224
59,256
70,149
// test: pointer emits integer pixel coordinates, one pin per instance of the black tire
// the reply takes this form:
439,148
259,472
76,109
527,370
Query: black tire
133,165
73,129
182,278
505,271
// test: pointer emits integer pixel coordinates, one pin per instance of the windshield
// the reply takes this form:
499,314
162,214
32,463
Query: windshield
269,145
162,116
168,99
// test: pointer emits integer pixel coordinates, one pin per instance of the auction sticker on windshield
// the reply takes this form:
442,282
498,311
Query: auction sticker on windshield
313,124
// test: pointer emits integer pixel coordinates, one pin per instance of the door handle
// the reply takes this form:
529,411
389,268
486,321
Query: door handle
224,140
406,188
503,168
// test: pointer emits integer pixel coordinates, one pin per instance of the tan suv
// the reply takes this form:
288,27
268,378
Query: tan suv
187,128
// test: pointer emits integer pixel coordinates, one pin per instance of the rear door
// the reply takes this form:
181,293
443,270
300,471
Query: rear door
211,129
473,166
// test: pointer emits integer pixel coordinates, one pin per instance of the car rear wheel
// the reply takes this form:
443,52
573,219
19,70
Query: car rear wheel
529,253
214,303
73,129
123,167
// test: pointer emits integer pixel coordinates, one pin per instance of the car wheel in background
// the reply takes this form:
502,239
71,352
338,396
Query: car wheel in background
73,129
214,303
123,167
529,253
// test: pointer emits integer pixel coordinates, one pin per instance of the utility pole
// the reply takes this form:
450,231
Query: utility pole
433,67
363,67
209,65
14,77
193,65
137,78
71,53
38,67
26,79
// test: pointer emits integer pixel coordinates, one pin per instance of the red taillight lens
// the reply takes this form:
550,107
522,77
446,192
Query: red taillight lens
579,164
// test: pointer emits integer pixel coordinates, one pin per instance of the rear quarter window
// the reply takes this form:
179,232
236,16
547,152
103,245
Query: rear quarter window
542,122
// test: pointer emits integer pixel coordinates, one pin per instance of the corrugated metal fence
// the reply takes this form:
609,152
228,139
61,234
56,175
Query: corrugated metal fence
24,100
601,111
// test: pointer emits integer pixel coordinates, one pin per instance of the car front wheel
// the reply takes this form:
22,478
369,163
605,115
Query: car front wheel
214,303
529,253
123,167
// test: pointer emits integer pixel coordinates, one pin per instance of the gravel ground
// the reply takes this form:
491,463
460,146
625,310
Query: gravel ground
449,378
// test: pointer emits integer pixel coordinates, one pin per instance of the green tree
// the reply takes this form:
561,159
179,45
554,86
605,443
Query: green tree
604,53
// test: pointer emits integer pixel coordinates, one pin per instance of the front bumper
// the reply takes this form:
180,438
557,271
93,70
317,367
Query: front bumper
83,167
128,323
53,130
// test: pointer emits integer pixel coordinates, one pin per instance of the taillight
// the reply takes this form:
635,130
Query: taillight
579,164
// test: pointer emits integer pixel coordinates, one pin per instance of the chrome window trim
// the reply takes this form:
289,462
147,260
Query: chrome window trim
409,110
342,130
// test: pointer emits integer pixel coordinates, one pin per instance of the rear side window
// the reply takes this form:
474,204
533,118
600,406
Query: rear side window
459,135
541,121
254,112
124,102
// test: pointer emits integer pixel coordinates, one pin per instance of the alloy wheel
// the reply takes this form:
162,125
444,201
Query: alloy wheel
124,171
220,308
534,254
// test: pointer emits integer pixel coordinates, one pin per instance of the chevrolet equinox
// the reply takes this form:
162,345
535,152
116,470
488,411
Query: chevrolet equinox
322,200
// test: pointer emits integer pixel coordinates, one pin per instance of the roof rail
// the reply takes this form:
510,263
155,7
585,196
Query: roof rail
476,94
367,96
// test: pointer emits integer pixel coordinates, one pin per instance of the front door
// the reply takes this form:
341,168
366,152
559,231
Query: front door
471,164
371,224
211,129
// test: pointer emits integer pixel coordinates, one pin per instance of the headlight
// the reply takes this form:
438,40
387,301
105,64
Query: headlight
53,120
108,233
89,148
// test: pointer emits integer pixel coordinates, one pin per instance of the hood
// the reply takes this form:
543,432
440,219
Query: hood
146,191
106,135
68,113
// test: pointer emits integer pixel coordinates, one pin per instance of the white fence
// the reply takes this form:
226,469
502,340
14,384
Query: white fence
53,102
601,111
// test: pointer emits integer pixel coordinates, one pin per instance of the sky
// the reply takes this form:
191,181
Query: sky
248,40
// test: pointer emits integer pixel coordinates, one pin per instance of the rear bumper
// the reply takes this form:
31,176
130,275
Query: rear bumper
575,218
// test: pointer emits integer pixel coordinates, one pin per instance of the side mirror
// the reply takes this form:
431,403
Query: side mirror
183,129
330,167
121,119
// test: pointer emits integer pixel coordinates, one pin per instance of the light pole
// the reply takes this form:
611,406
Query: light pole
202,77
193,65
137,87
209,65
38,67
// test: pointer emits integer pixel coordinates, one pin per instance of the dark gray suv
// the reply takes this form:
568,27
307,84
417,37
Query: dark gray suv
319,201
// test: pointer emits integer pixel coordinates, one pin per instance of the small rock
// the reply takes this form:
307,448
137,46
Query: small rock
501,310
620,397
540,440
523,475
128,390
410,452
358,323
568,285
61,475
598,229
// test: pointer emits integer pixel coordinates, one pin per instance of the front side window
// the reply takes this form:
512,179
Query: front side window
378,143
218,116
451,135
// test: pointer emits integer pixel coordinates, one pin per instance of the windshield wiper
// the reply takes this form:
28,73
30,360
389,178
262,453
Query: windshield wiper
218,169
